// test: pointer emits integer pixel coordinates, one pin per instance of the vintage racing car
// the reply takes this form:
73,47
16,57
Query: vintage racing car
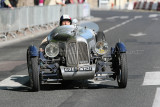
76,52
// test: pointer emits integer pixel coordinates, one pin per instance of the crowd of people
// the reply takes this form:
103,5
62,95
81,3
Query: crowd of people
63,2
8,4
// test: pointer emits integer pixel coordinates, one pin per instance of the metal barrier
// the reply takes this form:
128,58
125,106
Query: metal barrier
19,19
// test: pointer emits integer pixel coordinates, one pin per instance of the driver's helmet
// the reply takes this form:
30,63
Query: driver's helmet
65,17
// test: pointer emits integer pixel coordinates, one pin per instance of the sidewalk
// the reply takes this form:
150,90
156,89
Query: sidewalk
20,37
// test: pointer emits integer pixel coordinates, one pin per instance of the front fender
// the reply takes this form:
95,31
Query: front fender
120,47
33,51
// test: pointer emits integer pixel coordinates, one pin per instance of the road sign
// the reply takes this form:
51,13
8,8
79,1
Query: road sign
103,3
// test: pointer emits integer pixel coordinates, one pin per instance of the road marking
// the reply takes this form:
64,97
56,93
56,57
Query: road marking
14,81
153,15
95,19
152,78
115,17
156,102
112,18
155,19
138,34
137,17
124,17
123,23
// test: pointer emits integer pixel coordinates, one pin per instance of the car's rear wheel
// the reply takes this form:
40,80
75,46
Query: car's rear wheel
35,83
122,74
100,36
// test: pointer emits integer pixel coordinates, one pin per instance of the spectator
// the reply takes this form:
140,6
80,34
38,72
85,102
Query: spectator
69,2
81,1
5,4
60,2
54,2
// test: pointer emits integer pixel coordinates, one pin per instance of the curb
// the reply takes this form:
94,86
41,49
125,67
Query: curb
23,38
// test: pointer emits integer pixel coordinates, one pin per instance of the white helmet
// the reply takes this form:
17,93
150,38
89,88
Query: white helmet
65,17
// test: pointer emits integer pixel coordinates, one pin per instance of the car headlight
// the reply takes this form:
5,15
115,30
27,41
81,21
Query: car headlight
101,47
52,50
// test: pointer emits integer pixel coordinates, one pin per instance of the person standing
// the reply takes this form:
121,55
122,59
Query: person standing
54,2
5,4
69,2
81,1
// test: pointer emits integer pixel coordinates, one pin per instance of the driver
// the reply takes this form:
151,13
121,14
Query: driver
64,20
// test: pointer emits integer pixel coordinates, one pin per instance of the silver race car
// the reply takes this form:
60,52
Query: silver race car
76,52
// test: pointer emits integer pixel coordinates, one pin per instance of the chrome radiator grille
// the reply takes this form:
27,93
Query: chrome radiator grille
74,58
82,53
72,54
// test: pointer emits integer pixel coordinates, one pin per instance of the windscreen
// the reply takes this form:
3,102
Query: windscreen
90,25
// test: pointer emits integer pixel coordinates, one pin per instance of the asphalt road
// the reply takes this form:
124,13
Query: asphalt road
141,34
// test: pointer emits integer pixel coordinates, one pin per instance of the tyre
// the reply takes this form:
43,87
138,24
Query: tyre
29,66
28,59
100,36
35,83
122,74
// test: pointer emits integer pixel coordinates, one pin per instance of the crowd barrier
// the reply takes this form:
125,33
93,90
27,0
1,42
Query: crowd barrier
155,6
19,19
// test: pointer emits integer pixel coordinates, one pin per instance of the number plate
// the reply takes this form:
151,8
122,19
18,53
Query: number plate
75,69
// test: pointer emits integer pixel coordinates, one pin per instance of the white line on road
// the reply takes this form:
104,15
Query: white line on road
112,18
124,17
123,23
137,17
14,81
138,34
153,15
156,102
152,78
155,19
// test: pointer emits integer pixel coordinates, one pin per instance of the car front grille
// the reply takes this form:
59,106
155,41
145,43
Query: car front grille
82,53
74,58
72,54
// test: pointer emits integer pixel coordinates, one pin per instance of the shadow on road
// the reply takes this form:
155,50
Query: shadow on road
21,84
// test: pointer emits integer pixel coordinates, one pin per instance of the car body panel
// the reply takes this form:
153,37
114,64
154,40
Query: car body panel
121,47
33,51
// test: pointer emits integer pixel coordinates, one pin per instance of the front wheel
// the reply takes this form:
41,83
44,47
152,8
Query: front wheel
122,74
35,83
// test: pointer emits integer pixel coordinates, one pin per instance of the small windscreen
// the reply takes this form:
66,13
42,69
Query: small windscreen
90,25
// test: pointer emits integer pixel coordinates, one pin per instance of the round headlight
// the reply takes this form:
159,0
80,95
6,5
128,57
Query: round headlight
52,50
101,47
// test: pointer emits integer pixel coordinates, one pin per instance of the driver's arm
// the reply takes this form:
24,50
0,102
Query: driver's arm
41,49
44,40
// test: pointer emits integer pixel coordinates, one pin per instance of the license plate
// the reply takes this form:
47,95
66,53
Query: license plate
75,69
